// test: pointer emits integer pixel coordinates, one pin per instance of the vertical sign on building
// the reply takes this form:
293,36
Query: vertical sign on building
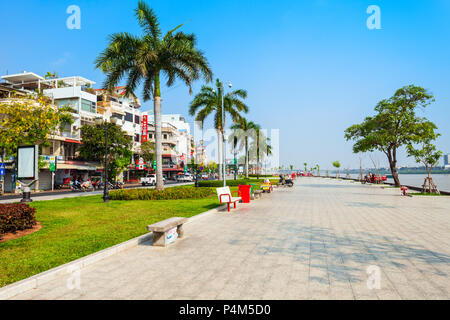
144,128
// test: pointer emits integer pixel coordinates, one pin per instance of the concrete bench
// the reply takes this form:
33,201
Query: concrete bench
258,193
167,231
225,196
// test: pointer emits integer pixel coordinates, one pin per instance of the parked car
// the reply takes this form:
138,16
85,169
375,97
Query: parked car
148,180
204,176
185,178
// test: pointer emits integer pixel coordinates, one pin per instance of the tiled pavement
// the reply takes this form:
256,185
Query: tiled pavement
314,241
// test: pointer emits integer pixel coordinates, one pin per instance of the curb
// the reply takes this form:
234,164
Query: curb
37,280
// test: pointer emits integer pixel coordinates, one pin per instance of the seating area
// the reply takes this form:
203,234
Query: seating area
225,196
167,231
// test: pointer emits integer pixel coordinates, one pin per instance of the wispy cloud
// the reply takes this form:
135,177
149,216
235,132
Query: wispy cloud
62,60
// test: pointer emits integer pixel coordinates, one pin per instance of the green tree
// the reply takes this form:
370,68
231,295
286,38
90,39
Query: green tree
426,152
318,170
306,167
28,121
146,59
395,124
209,102
337,165
119,146
148,151
241,131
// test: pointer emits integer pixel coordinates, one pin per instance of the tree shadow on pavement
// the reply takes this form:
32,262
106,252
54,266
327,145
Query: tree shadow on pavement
345,258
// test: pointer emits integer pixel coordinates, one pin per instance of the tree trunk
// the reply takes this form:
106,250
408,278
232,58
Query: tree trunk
219,152
392,165
158,144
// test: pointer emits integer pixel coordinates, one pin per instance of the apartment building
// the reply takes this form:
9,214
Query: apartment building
75,92
177,143
87,105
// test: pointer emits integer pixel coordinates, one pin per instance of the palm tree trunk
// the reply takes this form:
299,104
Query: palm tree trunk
158,136
219,152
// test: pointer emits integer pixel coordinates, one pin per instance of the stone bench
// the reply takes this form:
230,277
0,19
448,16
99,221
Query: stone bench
167,231
258,193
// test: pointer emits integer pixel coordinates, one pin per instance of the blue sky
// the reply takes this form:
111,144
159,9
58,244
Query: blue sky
312,68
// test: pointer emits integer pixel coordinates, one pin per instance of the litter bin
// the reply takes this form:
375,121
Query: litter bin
245,193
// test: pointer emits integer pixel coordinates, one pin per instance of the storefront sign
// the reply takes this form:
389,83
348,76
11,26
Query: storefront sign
51,162
144,128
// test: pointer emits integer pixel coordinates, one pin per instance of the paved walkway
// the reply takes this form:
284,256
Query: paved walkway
315,241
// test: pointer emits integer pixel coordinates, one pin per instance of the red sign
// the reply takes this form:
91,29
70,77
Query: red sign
144,128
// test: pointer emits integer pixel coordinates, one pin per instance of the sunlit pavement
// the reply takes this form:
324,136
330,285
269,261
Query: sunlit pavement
322,239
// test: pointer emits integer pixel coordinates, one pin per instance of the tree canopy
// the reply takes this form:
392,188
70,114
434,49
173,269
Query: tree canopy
29,120
119,146
395,124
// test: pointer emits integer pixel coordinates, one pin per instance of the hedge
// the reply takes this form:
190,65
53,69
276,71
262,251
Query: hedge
175,193
16,216
231,183
262,176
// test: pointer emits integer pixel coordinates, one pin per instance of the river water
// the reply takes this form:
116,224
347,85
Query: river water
442,181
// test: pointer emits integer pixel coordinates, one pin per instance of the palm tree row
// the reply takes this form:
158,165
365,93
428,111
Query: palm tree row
151,57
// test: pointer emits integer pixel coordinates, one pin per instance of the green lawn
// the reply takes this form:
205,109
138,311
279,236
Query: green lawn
76,227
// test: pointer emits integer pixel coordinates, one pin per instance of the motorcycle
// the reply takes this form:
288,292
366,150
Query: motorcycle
75,186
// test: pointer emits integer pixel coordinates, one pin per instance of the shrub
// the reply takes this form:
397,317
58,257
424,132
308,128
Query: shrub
16,216
262,176
176,193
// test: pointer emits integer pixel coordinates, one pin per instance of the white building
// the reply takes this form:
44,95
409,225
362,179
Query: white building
447,161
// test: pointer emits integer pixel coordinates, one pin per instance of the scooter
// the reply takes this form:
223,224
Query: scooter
75,186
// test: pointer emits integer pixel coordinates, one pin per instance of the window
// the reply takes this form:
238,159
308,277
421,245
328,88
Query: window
165,137
72,103
137,120
150,135
136,138
88,106
128,117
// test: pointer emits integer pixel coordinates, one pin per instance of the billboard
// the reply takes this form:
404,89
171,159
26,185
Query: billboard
27,162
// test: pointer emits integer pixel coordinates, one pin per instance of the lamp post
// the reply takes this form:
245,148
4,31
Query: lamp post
224,165
99,121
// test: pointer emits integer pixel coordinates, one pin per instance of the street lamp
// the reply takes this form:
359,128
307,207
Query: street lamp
223,134
99,121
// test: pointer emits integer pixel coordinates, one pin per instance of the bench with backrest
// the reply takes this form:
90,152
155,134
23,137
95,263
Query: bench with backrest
167,231
225,196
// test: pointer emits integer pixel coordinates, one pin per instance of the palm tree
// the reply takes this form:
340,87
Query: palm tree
306,167
145,59
209,101
241,132
268,150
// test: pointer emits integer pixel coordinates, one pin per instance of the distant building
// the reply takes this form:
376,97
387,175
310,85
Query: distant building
446,161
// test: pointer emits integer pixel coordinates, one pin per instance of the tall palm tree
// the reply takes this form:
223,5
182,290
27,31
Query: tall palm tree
209,101
146,59
241,131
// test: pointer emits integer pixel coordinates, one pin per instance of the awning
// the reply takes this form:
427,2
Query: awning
64,166
73,141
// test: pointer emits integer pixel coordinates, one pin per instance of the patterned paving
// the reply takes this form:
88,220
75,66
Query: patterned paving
322,239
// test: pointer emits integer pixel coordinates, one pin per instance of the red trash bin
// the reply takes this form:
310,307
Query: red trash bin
244,191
